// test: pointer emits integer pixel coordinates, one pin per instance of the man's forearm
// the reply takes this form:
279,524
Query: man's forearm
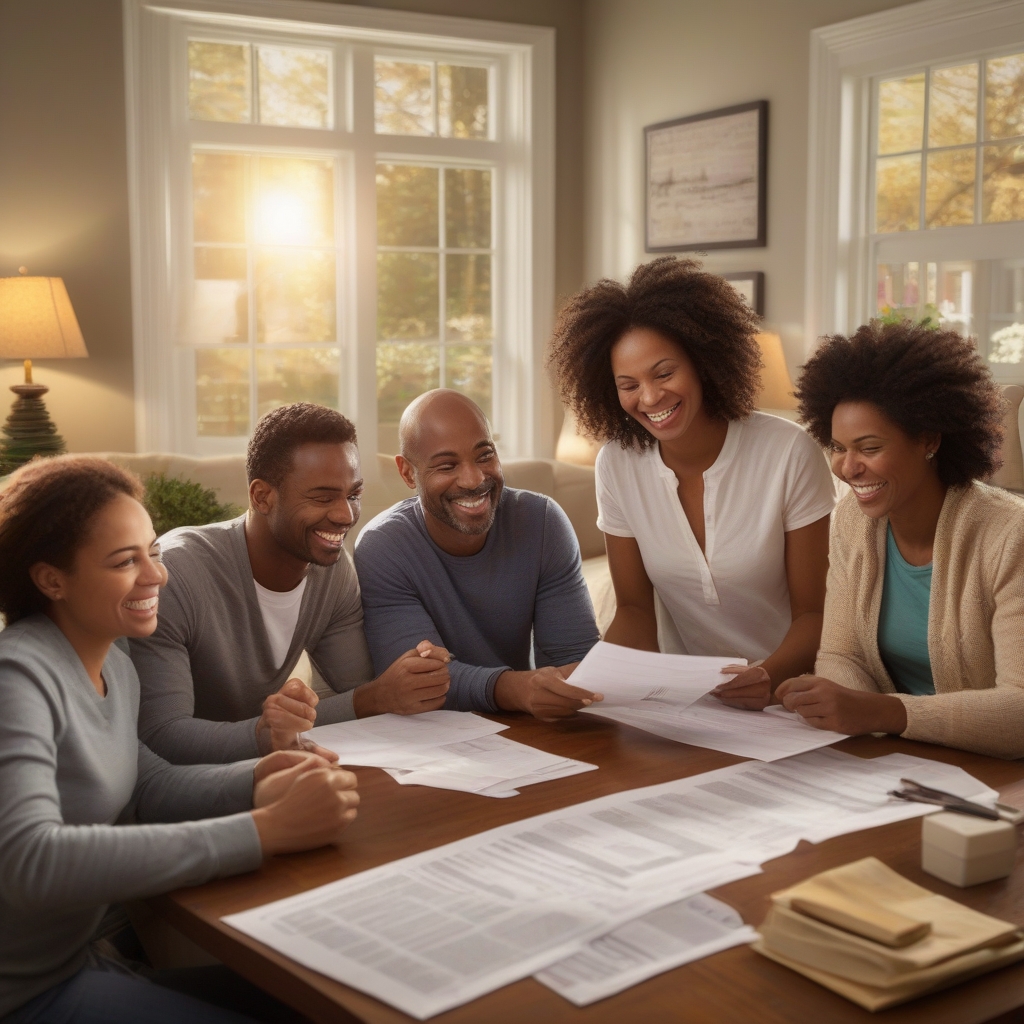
199,741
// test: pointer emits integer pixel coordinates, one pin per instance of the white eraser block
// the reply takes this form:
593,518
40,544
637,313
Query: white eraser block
964,850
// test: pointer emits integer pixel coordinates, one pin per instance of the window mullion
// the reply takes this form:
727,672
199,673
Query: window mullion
442,273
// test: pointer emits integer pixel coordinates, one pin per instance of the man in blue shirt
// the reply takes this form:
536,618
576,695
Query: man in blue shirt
491,572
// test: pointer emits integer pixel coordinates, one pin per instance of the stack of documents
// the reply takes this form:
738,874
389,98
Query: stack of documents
445,926
667,695
871,935
446,750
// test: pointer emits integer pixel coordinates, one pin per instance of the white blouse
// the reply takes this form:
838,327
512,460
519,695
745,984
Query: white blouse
732,599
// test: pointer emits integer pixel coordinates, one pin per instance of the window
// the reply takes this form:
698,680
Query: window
916,197
949,152
337,213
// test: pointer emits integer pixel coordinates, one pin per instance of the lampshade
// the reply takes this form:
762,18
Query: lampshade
574,447
776,385
37,321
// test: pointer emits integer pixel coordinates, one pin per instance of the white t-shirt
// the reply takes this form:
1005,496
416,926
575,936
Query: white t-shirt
732,600
280,614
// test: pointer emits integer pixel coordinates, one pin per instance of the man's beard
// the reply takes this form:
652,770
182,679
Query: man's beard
441,509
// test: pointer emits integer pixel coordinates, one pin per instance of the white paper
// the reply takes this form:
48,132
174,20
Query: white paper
637,950
400,741
446,750
486,762
627,677
764,735
440,928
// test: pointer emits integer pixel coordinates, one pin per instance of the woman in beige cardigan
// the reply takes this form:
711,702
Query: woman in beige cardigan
924,615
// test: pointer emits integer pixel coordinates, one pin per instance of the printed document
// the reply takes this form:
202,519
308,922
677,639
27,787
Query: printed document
442,927
637,950
445,749
647,679
764,735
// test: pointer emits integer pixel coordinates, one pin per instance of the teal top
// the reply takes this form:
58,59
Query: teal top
903,621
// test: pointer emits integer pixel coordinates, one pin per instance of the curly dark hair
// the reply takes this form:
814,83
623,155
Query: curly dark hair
700,312
925,381
282,430
46,511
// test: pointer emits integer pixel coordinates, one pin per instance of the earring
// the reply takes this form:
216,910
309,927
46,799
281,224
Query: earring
929,455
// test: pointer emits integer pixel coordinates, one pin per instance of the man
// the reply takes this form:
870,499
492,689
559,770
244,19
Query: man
245,598
477,565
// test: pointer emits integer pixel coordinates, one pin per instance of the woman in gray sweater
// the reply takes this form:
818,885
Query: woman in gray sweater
78,792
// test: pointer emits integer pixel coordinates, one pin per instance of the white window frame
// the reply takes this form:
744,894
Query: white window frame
847,59
522,151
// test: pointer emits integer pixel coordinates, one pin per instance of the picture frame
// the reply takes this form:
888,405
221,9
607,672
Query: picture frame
705,180
750,285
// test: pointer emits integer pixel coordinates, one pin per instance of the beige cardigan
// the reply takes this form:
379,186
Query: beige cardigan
975,619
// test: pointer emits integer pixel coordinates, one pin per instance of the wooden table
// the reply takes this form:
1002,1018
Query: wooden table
737,985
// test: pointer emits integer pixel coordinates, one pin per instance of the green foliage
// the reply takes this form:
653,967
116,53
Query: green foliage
173,502
897,314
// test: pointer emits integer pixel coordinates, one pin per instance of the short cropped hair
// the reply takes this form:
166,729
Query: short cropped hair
702,313
46,512
924,380
282,430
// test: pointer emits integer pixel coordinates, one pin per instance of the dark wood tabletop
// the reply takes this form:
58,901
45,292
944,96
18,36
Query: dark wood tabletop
737,985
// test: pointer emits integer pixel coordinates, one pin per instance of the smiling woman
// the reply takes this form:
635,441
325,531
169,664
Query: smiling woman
925,601
82,569
715,516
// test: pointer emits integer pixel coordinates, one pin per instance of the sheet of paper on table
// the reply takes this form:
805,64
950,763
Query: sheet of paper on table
446,750
765,735
489,766
648,679
440,928
637,950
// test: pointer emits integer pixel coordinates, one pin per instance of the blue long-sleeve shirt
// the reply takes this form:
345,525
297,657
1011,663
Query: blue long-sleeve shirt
525,584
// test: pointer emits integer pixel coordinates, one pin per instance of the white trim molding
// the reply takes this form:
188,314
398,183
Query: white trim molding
522,152
842,59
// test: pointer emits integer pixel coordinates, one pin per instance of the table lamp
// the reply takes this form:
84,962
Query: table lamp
776,385
36,322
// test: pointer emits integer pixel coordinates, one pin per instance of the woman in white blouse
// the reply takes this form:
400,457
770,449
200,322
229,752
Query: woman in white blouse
715,516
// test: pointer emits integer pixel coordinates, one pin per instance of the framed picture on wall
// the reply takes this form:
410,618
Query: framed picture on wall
705,180
750,285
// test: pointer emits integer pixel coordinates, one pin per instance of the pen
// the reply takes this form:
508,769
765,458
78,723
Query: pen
914,791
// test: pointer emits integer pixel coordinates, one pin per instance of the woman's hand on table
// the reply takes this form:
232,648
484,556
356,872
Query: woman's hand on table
310,805
749,687
827,705
273,774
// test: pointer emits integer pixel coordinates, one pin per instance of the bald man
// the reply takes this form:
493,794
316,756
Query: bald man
491,573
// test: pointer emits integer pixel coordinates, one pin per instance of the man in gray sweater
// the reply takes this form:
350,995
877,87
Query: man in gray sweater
245,598
493,572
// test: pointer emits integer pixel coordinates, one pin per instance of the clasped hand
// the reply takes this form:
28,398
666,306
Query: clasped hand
301,801
416,681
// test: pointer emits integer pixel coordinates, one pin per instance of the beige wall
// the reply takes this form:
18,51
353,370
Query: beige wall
64,190
655,60
64,201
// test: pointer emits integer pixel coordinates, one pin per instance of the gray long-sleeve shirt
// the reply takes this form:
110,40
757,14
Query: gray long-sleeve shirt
207,669
526,583
71,766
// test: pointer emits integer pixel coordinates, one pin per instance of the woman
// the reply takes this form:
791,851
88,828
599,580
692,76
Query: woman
718,512
925,607
81,568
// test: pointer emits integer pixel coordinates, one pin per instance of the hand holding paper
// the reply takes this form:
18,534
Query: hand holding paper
627,677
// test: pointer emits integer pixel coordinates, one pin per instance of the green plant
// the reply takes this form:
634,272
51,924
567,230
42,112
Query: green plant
896,314
173,502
